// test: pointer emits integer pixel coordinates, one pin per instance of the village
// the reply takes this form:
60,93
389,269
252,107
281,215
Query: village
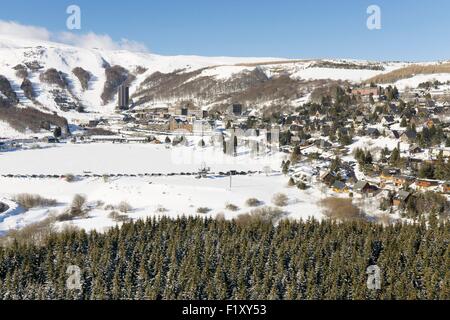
238,153
360,142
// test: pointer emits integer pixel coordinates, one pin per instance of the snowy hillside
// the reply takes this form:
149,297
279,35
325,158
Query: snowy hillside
41,75
64,58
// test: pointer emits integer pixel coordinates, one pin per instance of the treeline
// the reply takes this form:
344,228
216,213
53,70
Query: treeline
431,204
410,71
438,170
348,65
195,258
23,119
248,87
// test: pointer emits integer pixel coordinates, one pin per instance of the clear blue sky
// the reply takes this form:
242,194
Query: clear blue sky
411,29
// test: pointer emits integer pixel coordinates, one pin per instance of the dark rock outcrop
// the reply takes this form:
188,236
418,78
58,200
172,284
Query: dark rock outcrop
3,207
21,71
115,77
83,76
8,96
53,76
34,66
27,88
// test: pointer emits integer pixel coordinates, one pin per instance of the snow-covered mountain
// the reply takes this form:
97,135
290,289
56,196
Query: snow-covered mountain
79,83
37,57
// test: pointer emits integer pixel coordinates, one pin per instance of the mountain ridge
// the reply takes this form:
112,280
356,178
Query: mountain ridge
79,84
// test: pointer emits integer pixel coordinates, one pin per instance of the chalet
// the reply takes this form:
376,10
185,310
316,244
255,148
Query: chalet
361,187
328,178
408,136
373,133
202,127
401,198
388,174
339,186
424,184
387,120
365,188
414,149
402,181
251,113
394,134
350,176
393,109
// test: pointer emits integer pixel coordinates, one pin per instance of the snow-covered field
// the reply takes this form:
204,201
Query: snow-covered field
171,196
148,196
414,81
109,158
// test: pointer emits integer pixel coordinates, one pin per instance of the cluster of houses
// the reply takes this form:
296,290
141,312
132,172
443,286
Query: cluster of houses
372,120
184,117
390,180
394,180
349,184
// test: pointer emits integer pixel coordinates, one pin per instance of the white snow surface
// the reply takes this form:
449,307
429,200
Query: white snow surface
149,196
413,82
104,158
